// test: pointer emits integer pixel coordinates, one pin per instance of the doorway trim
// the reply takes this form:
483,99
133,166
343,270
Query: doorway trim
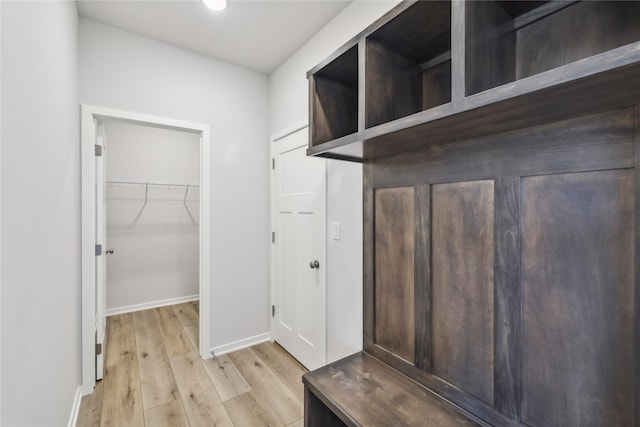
89,116
273,140
276,146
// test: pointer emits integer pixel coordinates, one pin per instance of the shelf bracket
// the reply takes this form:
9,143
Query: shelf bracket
184,202
146,198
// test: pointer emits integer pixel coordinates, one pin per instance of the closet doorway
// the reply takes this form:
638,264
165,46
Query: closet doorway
145,222
152,198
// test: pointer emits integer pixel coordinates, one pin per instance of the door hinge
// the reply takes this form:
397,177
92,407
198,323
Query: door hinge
98,349
98,249
273,237
273,163
98,150
273,311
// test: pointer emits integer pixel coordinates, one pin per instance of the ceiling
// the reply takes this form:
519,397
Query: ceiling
255,34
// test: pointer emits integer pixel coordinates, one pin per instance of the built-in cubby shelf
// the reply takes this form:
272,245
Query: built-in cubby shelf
508,41
408,63
512,64
500,145
335,98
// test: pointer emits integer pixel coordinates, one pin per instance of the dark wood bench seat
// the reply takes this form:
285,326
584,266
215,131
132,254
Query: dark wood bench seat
360,390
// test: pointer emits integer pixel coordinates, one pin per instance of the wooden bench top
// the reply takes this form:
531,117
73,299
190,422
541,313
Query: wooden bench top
362,391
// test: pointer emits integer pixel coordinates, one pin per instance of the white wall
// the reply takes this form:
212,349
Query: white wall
40,188
156,247
288,104
0,214
118,69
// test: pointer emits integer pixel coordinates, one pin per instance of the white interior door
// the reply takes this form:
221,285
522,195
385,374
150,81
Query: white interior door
299,258
101,270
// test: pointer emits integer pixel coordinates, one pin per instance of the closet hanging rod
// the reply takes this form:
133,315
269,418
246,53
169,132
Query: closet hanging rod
156,183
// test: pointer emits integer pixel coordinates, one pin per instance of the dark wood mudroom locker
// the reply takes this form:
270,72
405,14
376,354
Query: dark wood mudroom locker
501,150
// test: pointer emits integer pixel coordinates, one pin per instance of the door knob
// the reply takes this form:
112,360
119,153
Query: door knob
314,264
109,251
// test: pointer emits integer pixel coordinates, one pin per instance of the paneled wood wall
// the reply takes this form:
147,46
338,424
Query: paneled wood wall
501,272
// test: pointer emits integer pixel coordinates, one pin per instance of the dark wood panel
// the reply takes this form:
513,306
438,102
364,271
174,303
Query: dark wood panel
507,355
368,261
422,31
316,414
458,53
637,270
367,392
335,110
519,7
490,46
422,277
576,32
392,85
602,141
362,87
578,276
480,411
396,85
394,270
343,69
462,285
540,11
436,85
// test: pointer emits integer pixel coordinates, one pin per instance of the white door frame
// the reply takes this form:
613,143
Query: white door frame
90,115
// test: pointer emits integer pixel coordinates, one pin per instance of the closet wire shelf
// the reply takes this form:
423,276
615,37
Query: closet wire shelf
153,191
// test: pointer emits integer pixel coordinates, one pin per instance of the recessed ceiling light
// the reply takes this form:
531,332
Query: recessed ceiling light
215,4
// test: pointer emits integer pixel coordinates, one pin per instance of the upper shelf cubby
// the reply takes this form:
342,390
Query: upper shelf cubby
510,40
435,72
335,98
408,63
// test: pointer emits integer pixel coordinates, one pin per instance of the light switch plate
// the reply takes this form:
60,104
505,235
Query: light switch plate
335,230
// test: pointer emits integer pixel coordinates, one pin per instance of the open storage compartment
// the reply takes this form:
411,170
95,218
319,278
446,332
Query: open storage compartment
335,98
510,40
408,63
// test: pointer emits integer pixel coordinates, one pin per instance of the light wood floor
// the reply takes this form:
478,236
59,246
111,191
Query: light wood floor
154,377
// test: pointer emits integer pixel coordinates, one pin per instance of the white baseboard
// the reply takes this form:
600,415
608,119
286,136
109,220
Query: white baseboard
75,410
239,345
152,304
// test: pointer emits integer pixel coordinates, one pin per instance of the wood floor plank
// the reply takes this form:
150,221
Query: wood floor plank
145,319
196,306
122,400
170,414
91,407
285,367
189,318
204,408
121,345
157,381
175,338
270,391
299,423
189,370
201,402
225,377
193,333
245,410
187,314
245,388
